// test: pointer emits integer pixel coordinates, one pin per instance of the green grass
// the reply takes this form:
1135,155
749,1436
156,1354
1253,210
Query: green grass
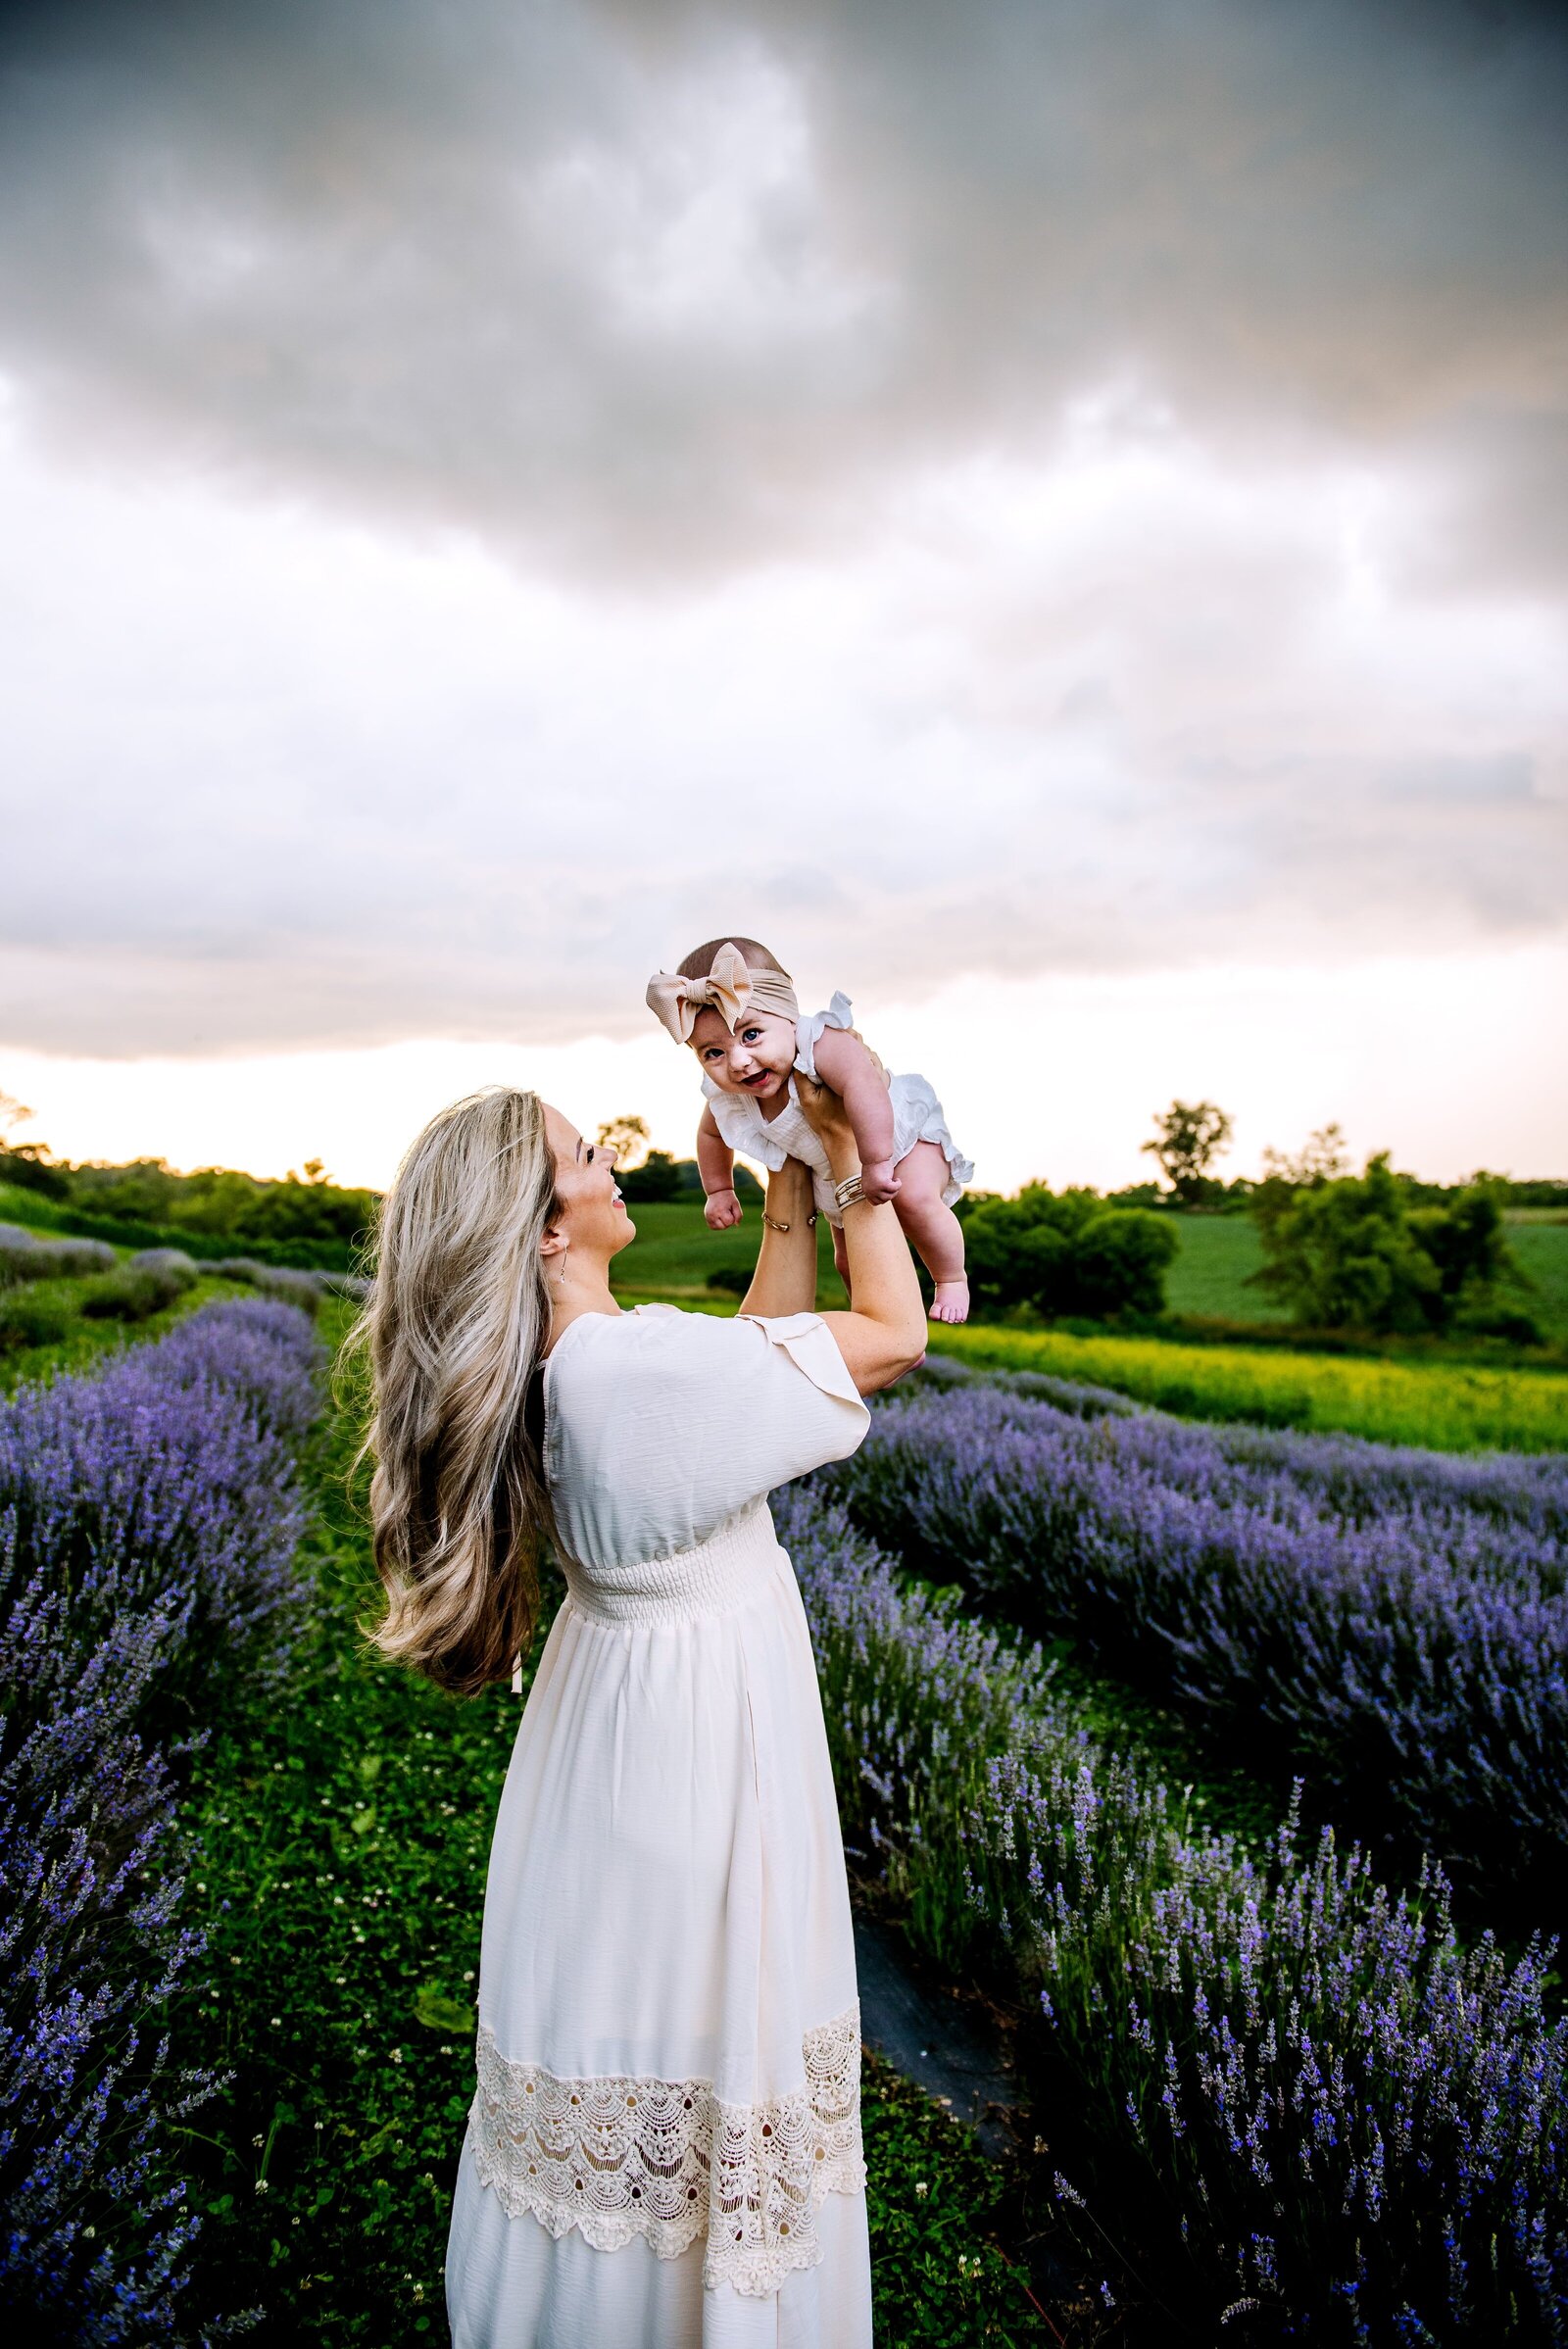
674,1251
1210,1277
1542,1249
87,1343
1451,1406
343,1840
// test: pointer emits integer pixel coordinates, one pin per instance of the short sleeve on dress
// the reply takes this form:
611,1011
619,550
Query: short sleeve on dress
662,1424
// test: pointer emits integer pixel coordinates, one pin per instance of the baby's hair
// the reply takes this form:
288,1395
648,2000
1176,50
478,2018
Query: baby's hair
700,961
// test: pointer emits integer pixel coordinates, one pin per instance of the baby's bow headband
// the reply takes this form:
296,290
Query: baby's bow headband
729,988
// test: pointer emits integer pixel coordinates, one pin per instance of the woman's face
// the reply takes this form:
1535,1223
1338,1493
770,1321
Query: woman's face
592,1218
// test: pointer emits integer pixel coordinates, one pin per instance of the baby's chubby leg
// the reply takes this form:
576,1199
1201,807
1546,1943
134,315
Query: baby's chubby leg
932,1229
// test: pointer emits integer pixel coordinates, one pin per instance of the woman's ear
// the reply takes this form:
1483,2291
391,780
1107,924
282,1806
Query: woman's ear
552,1242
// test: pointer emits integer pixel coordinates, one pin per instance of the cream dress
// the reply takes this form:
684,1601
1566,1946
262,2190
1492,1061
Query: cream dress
665,2148
917,1117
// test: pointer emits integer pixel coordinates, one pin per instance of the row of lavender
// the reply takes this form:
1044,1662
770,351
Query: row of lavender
1316,2109
148,1522
1391,1624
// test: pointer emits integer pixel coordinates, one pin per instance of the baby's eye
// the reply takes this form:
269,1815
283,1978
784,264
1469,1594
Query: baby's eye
750,1035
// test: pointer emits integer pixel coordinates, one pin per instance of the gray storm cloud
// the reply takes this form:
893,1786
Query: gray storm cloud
661,306
662,288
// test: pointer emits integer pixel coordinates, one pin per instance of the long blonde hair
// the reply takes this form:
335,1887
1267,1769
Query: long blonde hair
455,1327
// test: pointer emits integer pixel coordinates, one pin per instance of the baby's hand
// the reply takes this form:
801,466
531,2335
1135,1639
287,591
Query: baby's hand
878,1182
722,1209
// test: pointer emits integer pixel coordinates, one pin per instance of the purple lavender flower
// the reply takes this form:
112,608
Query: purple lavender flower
1393,1622
1344,2106
148,1522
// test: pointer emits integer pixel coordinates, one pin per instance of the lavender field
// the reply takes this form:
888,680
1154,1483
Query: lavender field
1296,2082
149,1520
1391,1622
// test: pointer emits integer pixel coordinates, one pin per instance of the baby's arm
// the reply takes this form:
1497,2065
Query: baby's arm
855,1074
715,1163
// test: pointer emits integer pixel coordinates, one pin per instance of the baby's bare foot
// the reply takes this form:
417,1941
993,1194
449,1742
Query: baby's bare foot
951,1301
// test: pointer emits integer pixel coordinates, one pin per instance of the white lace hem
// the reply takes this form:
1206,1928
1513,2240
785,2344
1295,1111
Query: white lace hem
666,2160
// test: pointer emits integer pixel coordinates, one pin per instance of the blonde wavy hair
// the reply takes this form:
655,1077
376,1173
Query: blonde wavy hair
455,1327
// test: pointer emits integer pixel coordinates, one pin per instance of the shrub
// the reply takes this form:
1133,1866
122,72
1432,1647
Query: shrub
291,1288
144,1284
1065,1253
26,1258
31,1320
657,1178
127,1295
172,1262
1294,2085
27,1169
732,1280
353,1286
148,1519
1349,1251
1396,1623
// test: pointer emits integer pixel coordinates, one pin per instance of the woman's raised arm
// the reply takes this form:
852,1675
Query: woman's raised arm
785,1279
884,1333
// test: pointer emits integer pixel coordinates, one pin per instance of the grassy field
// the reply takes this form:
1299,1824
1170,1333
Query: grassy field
674,1253
1450,1406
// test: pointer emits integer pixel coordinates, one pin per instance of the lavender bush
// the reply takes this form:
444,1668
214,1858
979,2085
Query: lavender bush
148,1519
1393,1622
1323,2111
23,1257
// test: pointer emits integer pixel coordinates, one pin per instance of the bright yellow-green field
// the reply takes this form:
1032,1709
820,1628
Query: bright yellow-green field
1451,1406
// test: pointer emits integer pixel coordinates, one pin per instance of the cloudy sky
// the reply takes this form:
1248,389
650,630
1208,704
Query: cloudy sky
1049,511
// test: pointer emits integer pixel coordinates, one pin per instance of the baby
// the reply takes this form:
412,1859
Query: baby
736,1009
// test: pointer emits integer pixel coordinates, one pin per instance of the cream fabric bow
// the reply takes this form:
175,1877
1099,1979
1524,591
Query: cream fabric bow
729,988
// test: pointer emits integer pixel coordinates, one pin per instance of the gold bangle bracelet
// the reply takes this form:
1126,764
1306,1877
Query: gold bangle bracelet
774,1225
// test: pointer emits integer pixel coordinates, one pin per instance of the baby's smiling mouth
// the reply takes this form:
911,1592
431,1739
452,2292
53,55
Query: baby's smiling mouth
764,1076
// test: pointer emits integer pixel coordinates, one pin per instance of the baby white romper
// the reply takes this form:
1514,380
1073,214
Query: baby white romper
664,2149
917,1117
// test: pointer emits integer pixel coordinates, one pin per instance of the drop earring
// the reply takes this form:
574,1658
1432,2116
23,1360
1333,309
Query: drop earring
561,1277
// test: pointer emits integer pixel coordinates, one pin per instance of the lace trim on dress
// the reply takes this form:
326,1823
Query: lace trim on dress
664,2159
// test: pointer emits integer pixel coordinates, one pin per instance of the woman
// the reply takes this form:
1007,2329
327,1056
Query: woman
664,2147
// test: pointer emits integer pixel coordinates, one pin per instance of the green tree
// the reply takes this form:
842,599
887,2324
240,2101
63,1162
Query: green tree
1352,1251
657,1178
628,1137
1065,1252
1188,1138
25,1163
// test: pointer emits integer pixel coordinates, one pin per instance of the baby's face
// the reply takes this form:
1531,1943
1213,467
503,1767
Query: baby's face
757,1059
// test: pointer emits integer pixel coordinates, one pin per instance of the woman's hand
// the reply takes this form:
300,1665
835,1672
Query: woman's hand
824,1112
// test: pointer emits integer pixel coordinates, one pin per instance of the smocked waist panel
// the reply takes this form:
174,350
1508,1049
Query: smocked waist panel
728,1571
